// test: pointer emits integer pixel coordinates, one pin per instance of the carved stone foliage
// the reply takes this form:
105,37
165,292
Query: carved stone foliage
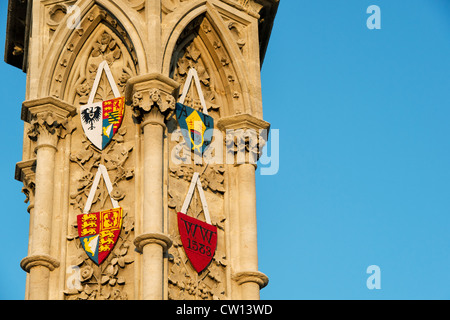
47,123
246,145
144,102
29,187
186,284
108,280
192,59
105,282
104,48
237,29
218,78
212,178
107,41
114,160
238,32
218,84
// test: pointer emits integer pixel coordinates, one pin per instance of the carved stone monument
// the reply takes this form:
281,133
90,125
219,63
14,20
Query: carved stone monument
105,168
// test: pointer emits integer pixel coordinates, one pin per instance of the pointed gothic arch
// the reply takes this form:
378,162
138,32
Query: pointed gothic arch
217,47
67,43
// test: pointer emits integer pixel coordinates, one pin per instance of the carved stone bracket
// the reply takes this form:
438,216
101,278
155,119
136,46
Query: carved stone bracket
251,276
25,172
141,241
151,96
39,260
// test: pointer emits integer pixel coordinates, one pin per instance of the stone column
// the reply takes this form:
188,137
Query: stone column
49,122
153,21
153,97
25,173
243,144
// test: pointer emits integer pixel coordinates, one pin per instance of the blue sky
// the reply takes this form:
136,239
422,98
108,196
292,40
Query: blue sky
364,151
364,177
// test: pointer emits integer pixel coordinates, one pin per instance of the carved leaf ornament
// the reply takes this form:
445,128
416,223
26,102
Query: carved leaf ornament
102,120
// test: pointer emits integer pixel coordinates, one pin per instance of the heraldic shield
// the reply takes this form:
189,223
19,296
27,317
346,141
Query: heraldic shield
199,240
102,120
98,232
195,127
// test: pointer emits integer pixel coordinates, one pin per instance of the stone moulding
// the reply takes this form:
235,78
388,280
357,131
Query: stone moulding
163,240
39,260
251,276
242,121
61,108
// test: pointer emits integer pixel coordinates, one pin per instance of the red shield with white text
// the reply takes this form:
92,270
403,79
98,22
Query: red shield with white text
199,240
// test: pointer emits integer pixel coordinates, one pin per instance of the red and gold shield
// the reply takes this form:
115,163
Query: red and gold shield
199,240
98,232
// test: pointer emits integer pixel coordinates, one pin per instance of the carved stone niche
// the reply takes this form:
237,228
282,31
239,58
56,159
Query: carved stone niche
103,38
184,281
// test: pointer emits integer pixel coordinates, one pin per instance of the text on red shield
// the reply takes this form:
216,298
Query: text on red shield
199,240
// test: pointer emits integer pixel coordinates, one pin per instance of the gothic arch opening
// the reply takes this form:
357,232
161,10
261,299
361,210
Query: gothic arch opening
199,45
99,36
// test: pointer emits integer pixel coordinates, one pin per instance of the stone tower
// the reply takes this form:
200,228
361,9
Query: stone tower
136,56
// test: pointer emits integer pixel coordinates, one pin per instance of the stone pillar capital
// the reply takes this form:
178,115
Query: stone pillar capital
245,137
48,118
152,96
